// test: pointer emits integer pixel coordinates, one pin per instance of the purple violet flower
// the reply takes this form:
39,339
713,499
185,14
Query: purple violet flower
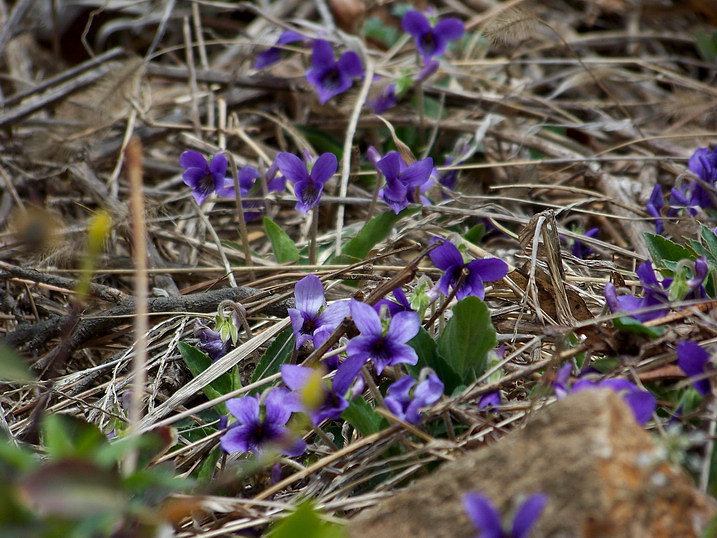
431,40
695,362
655,295
210,342
703,164
449,258
312,320
308,186
487,519
489,400
205,178
274,54
426,71
394,307
401,179
405,397
385,100
654,208
580,249
346,385
260,424
383,342
329,76
641,402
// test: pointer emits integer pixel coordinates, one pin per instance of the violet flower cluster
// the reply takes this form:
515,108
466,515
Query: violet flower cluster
641,402
406,397
692,196
657,294
487,519
448,258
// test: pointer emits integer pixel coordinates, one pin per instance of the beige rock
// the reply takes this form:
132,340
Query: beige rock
604,475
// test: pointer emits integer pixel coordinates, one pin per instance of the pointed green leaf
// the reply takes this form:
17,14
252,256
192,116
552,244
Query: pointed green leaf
631,325
373,232
283,246
467,338
197,362
663,251
428,356
361,416
306,523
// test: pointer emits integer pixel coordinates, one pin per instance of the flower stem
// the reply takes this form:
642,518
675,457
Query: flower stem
314,234
372,386
243,233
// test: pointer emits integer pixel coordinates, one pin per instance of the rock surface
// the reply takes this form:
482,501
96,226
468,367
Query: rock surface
604,475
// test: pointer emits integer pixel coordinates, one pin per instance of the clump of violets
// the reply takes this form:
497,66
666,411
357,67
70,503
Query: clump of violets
261,424
431,39
448,258
402,179
206,177
382,341
488,521
658,294
312,320
694,361
308,177
406,397
319,400
641,402
329,76
274,54
693,195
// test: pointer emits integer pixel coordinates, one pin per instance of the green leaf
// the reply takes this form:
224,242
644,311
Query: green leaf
706,45
428,356
205,472
374,28
12,368
633,326
361,416
197,362
15,457
306,523
283,246
475,234
373,232
467,338
69,437
663,251
276,354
